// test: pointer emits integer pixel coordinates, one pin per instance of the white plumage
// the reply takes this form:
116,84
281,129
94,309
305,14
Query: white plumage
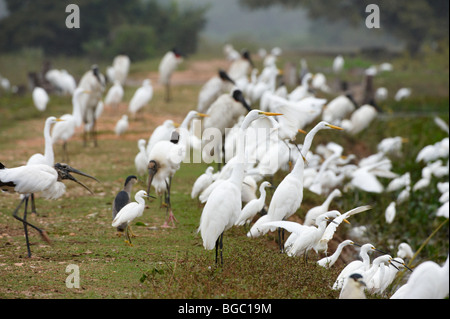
253,207
121,125
40,98
141,97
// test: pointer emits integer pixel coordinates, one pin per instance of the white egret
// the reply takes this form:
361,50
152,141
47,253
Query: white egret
389,213
288,196
353,287
141,158
141,97
167,66
202,182
376,273
40,98
130,212
338,108
402,93
253,207
224,203
355,266
121,125
405,251
301,91
427,281
49,156
64,130
381,94
391,145
442,124
121,66
314,212
123,198
37,178
443,210
338,64
390,273
328,262
114,95
322,244
92,81
360,119
399,182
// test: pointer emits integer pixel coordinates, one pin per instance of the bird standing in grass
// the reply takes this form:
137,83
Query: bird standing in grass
121,125
166,67
130,212
253,207
123,198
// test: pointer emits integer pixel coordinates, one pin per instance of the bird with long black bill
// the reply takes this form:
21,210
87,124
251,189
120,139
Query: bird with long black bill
38,178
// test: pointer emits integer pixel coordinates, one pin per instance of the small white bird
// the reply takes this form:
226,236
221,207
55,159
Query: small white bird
141,97
353,287
121,125
405,251
389,213
338,64
253,207
130,212
141,158
167,66
40,98
402,93
327,262
114,95
202,182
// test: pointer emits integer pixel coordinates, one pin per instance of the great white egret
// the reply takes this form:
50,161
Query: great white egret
288,195
48,157
141,97
254,206
224,203
64,130
167,66
405,251
353,287
123,198
40,98
130,212
121,66
339,108
428,280
37,178
389,213
121,125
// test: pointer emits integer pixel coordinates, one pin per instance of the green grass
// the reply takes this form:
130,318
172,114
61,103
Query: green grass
172,263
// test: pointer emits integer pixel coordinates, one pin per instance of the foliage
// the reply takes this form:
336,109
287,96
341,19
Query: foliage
106,28
413,21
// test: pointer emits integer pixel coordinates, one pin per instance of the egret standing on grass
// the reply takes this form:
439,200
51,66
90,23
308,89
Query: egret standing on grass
40,98
253,207
141,97
122,199
224,203
166,67
129,212
37,178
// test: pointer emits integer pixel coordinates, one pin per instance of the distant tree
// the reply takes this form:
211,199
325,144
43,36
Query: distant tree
107,27
413,21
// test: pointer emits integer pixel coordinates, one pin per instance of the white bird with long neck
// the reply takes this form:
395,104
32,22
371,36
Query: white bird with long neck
224,203
314,212
141,158
253,207
288,196
328,262
130,212
64,130
49,156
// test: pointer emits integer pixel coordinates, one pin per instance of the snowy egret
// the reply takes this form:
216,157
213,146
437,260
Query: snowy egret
338,64
114,95
130,212
121,125
389,213
353,287
123,198
253,207
405,251
327,262
141,97
224,203
141,158
312,214
402,93
37,178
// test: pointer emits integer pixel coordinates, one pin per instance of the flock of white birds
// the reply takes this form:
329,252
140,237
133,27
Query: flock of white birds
237,103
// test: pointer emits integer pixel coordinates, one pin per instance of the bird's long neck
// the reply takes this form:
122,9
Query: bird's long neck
327,201
237,175
49,155
76,109
336,254
299,168
127,188
308,140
